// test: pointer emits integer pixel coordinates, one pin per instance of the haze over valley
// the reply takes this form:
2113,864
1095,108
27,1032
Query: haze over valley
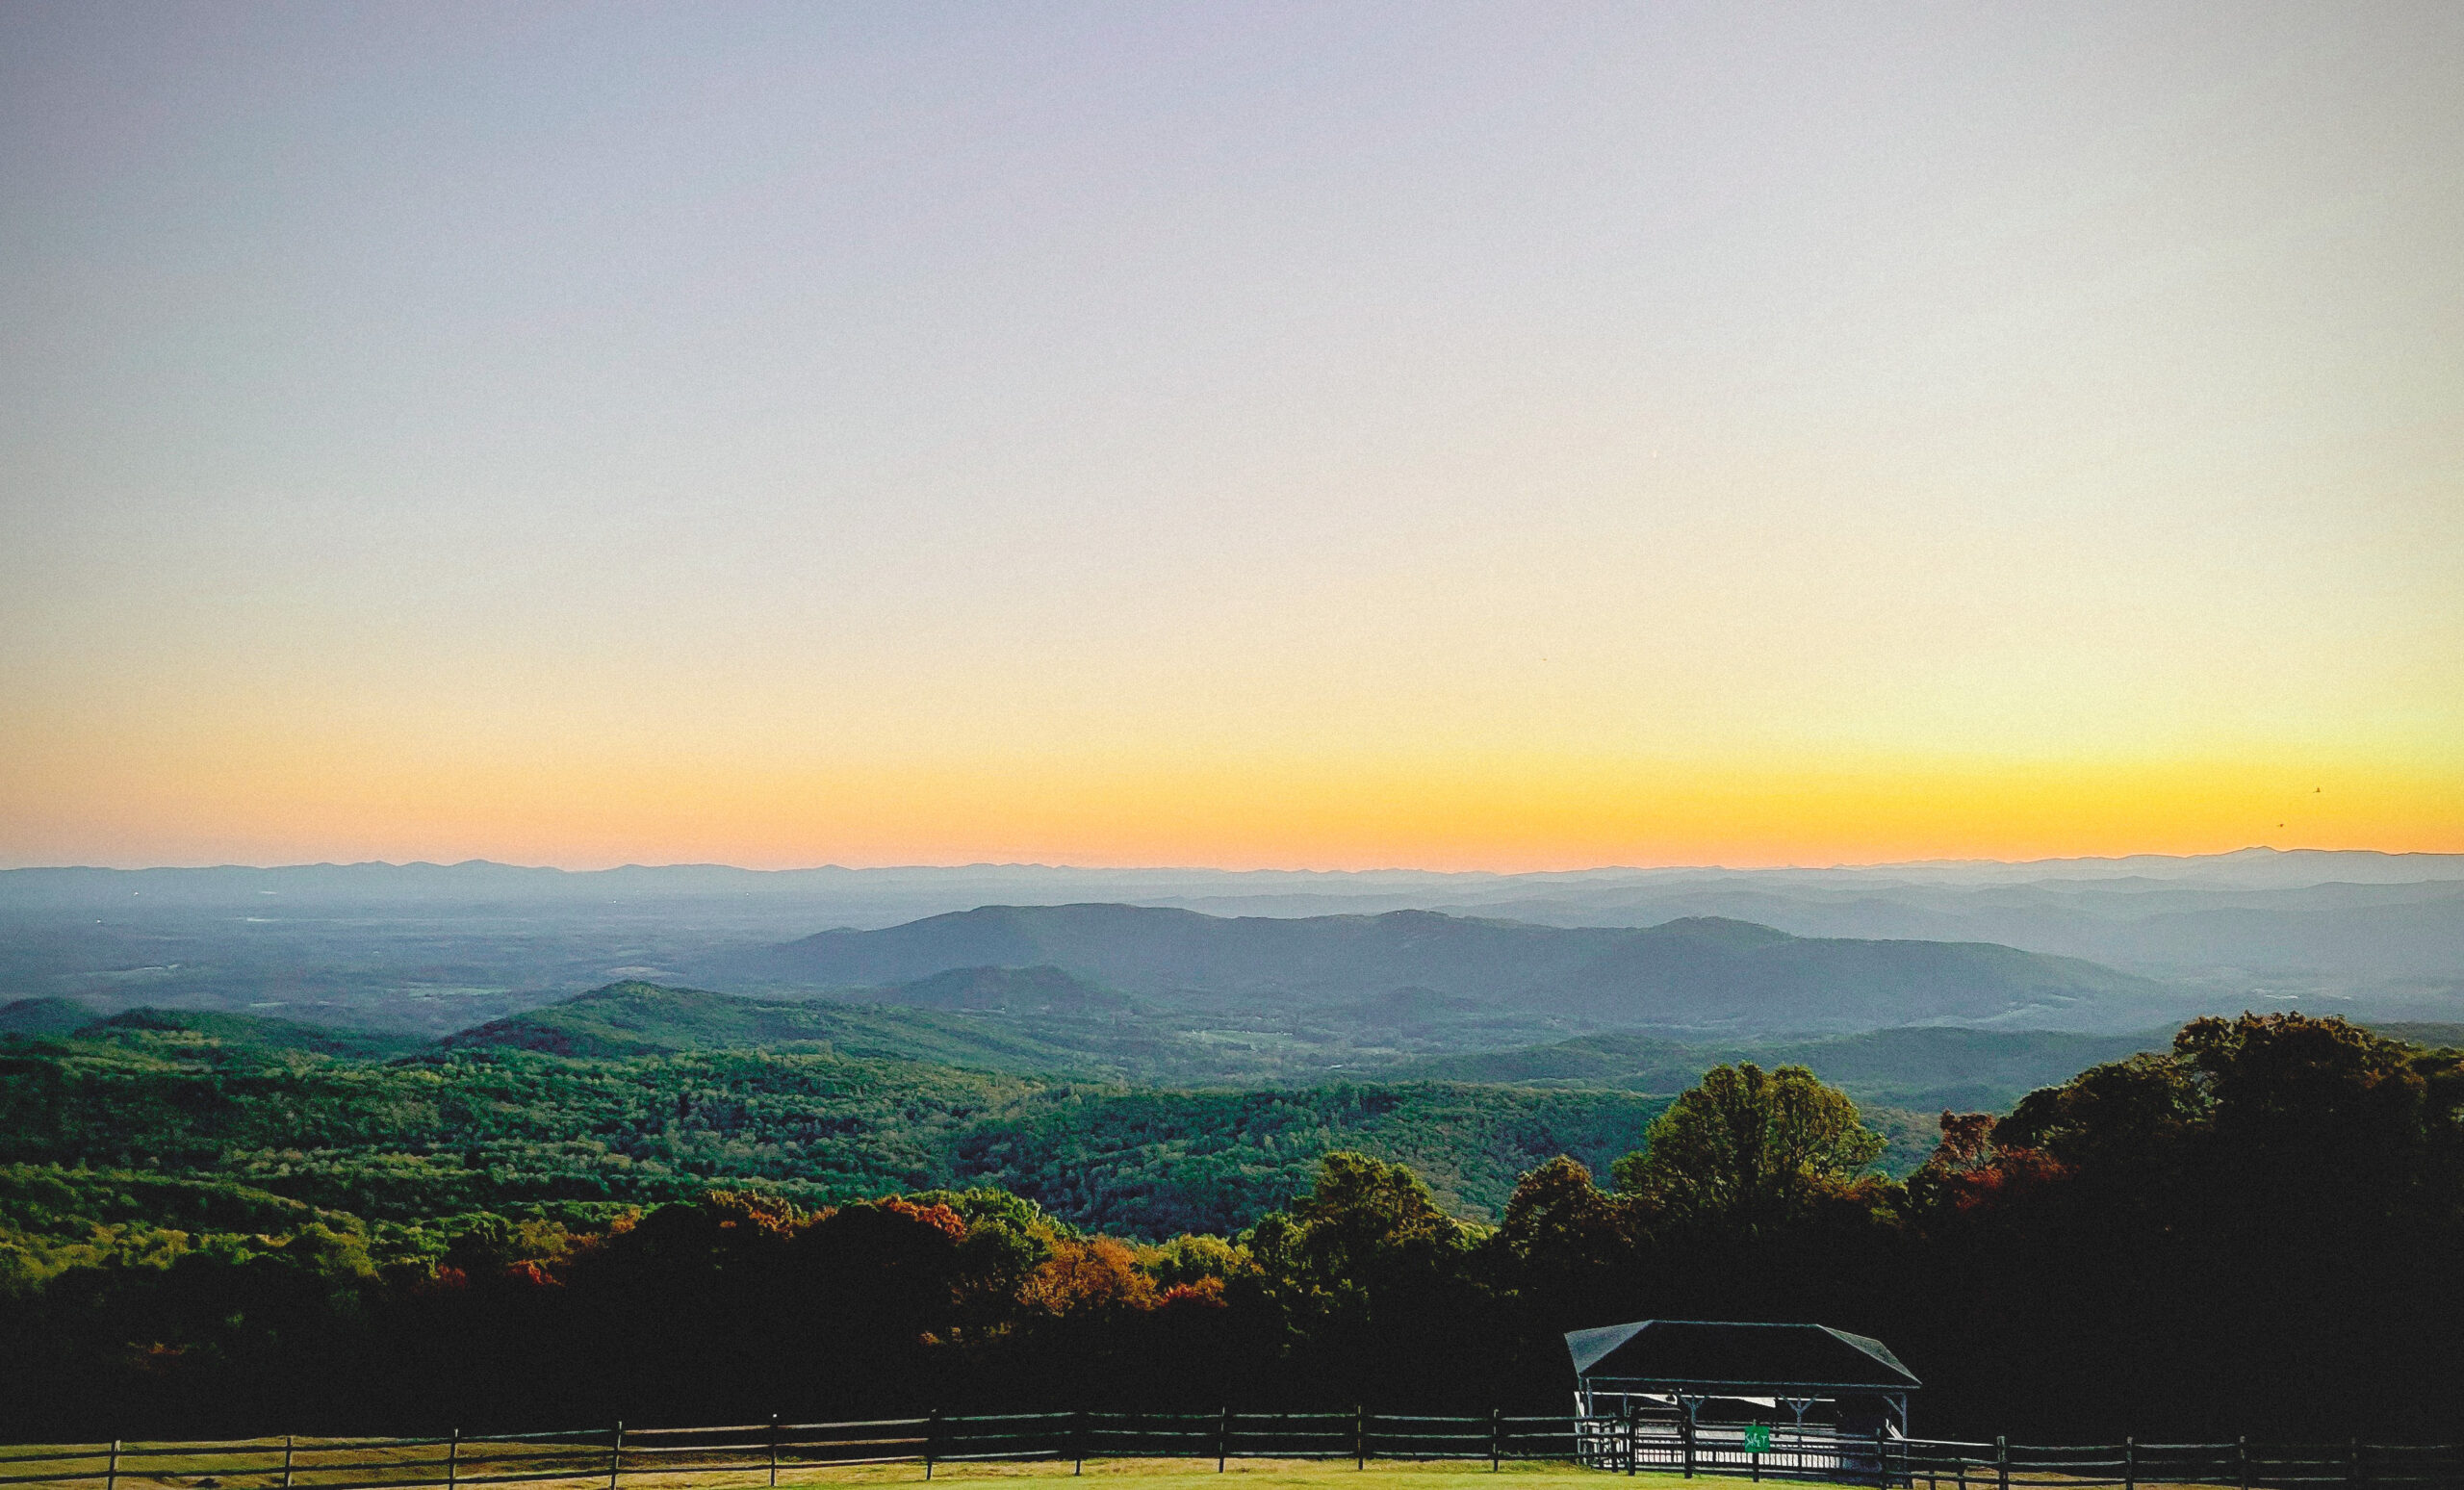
1185,976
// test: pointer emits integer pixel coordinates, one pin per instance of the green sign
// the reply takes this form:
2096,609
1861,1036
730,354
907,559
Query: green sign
1758,1438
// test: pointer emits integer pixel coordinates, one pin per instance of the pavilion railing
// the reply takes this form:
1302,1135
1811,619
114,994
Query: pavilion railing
775,1452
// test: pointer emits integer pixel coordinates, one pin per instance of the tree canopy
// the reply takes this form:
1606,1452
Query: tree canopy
1751,1148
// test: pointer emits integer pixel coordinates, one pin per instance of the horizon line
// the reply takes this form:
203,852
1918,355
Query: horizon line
1015,865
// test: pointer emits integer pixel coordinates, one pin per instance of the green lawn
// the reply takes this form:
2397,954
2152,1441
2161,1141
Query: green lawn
257,1467
1193,1475
261,1471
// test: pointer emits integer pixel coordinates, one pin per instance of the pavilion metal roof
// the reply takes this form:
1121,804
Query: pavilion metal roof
1737,1358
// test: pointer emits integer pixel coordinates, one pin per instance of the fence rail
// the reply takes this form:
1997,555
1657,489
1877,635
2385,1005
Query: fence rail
770,1453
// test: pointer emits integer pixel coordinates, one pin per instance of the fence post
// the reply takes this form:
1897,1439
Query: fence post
2130,1462
286,1461
1634,1441
2001,1463
1078,1440
110,1470
774,1448
2358,1479
2242,1456
1222,1439
1359,1436
453,1459
932,1423
615,1454
1497,1443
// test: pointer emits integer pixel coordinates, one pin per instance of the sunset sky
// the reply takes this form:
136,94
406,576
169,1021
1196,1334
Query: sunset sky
1245,434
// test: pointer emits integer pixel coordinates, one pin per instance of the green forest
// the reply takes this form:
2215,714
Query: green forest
406,1143
223,1230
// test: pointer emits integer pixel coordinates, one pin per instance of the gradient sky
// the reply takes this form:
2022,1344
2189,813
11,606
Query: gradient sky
1243,434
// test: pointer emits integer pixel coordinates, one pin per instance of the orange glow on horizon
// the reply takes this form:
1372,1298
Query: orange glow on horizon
296,803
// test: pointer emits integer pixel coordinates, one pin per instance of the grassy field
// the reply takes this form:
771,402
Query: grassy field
261,1469
1256,1473
258,1466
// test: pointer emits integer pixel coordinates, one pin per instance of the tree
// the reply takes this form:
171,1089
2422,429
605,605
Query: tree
1096,1276
1751,1148
1369,1270
2125,1116
1364,1219
1559,1226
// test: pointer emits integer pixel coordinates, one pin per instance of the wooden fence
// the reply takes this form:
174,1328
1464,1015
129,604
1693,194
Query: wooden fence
763,1453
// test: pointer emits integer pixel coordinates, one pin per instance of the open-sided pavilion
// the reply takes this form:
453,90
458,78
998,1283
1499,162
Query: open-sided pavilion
1799,1375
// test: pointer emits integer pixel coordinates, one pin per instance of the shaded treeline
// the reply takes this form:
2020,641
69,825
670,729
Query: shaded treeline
2258,1232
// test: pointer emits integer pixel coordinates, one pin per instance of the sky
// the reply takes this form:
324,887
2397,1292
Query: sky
1431,435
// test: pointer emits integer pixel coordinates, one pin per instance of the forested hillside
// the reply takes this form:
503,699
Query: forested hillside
554,1108
2251,1231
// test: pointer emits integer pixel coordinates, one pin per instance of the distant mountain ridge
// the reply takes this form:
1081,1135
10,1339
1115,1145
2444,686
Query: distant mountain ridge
1691,974
431,948
2254,867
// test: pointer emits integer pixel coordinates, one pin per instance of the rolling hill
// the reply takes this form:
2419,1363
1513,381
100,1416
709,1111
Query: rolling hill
44,1016
636,1092
174,1030
642,1019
